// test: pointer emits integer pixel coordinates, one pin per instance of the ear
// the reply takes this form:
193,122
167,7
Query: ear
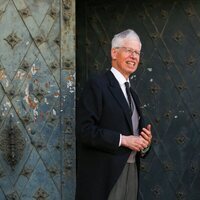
113,53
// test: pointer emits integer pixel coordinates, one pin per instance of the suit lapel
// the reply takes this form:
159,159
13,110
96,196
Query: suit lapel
137,104
119,96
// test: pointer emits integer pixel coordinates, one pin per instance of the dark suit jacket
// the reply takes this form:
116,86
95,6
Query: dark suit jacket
102,115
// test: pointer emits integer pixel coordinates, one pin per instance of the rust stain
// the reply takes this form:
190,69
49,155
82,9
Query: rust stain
2,74
70,78
47,85
57,94
31,103
36,81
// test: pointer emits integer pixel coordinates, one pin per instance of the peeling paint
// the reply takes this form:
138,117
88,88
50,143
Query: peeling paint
46,101
20,75
7,82
32,103
27,90
57,94
70,78
36,101
34,69
7,104
70,83
54,112
35,113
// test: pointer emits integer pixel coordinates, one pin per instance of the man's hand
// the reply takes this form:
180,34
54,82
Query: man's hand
146,134
138,143
135,143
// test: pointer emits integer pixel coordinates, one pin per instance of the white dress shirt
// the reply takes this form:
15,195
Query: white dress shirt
121,79
135,117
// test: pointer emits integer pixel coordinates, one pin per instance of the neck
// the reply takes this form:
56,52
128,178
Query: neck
121,72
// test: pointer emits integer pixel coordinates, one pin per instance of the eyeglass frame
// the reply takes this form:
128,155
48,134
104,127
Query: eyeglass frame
130,51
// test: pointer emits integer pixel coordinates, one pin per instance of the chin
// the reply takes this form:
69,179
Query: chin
133,70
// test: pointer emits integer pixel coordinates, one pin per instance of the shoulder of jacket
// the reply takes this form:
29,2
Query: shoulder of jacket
98,78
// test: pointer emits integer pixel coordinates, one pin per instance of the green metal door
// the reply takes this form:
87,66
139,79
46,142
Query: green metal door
167,83
37,89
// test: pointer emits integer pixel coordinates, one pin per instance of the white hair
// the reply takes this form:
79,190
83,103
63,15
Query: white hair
119,38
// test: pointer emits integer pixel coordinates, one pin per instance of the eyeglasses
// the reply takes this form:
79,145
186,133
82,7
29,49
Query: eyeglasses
130,51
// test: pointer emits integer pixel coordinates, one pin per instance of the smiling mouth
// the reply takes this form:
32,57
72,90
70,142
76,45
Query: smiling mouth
132,63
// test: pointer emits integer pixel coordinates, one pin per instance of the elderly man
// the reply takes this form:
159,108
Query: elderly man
111,134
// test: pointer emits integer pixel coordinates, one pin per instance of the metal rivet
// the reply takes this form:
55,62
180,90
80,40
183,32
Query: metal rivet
25,12
53,13
178,36
13,39
190,12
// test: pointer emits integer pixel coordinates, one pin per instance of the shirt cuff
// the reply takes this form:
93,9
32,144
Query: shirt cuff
145,150
120,140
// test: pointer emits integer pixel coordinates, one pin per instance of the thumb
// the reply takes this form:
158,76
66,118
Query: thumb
149,127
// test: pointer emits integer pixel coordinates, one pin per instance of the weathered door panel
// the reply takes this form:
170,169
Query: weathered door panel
37,88
167,82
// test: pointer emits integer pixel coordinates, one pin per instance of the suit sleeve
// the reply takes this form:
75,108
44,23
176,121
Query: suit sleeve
89,113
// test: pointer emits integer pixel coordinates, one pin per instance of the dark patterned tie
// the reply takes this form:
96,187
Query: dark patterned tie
128,92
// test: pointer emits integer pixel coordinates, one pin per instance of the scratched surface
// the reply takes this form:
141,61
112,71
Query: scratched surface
37,92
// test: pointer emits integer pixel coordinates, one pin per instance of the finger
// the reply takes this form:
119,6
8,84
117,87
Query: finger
149,127
140,143
145,135
141,147
146,139
143,142
136,148
146,131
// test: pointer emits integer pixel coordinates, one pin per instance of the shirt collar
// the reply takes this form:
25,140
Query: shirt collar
120,78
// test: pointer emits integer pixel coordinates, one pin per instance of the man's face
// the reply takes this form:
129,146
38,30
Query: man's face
126,58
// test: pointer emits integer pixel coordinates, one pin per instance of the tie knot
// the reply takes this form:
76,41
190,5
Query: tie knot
127,85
